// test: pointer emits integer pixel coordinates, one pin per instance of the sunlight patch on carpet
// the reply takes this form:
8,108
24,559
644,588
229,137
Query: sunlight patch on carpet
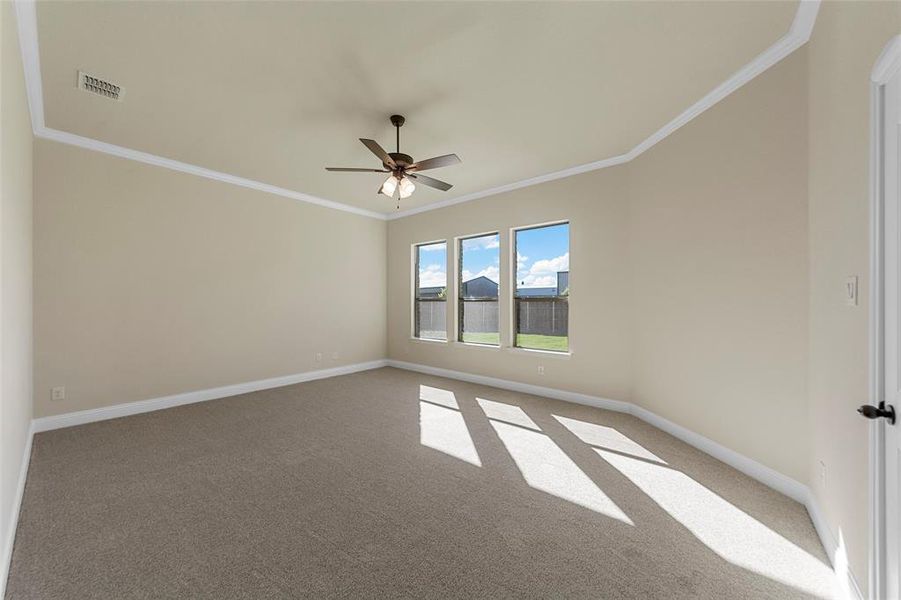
546,467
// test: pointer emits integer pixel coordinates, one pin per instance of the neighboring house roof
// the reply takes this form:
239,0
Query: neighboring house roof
562,282
430,292
537,292
480,287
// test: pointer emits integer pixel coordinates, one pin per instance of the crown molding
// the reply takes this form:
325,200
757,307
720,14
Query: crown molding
798,35
26,18
27,23
71,139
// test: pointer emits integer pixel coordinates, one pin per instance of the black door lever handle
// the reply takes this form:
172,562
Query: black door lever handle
874,412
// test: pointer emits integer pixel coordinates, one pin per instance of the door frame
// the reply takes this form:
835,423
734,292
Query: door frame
887,65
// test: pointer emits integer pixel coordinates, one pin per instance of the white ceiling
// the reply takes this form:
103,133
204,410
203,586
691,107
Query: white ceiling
276,91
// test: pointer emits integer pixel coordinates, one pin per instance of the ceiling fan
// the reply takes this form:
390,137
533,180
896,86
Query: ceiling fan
404,170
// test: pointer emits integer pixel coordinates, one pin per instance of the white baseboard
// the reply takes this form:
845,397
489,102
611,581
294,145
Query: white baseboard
834,548
781,483
132,408
785,485
142,406
14,510
515,386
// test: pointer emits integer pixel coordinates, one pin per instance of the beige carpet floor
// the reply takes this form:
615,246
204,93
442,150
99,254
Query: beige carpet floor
392,484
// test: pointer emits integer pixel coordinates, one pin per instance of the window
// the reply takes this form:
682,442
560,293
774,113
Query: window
430,291
478,272
541,299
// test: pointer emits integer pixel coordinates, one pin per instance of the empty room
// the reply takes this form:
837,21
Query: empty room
452,299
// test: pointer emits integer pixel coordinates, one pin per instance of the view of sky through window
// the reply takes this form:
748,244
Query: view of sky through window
481,258
433,265
540,254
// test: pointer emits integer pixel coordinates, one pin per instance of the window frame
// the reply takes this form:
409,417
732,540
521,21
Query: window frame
514,272
458,312
414,296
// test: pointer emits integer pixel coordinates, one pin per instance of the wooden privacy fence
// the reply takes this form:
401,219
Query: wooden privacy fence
540,316
432,318
479,316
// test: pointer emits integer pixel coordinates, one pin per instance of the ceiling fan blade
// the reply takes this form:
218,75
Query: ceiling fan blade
433,163
379,151
430,181
355,170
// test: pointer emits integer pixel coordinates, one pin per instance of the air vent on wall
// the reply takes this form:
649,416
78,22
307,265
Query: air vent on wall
98,86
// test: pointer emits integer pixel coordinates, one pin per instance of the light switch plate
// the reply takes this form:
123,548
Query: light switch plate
851,290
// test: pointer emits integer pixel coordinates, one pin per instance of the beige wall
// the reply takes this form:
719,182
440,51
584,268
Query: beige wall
600,318
15,275
719,248
689,271
150,282
846,41
706,275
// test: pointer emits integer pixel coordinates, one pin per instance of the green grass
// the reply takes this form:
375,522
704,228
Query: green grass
482,338
559,343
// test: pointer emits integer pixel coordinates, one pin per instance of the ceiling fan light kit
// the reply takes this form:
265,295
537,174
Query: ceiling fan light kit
402,168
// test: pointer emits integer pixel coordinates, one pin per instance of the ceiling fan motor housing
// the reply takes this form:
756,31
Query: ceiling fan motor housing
400,159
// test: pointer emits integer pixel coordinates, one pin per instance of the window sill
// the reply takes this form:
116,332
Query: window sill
427,340
534,351
475,345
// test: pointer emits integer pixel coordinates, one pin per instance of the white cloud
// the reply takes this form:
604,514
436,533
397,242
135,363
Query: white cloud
481,243
553,265
538,281
543,273
521,261
432,276
433,247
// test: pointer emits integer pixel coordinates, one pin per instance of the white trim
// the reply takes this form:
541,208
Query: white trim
133,408
577,170
14,510
27,23
886,66
538,351
71,139
26,19
762,473
781,483
834,550
797,36
506,384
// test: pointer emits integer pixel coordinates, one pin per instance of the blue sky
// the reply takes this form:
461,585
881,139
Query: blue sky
540,254
433,265
482,257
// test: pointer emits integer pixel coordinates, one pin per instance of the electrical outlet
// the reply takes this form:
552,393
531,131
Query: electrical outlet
318,357
541,369
58,393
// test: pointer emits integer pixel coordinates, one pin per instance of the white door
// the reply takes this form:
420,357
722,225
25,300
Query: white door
891,182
